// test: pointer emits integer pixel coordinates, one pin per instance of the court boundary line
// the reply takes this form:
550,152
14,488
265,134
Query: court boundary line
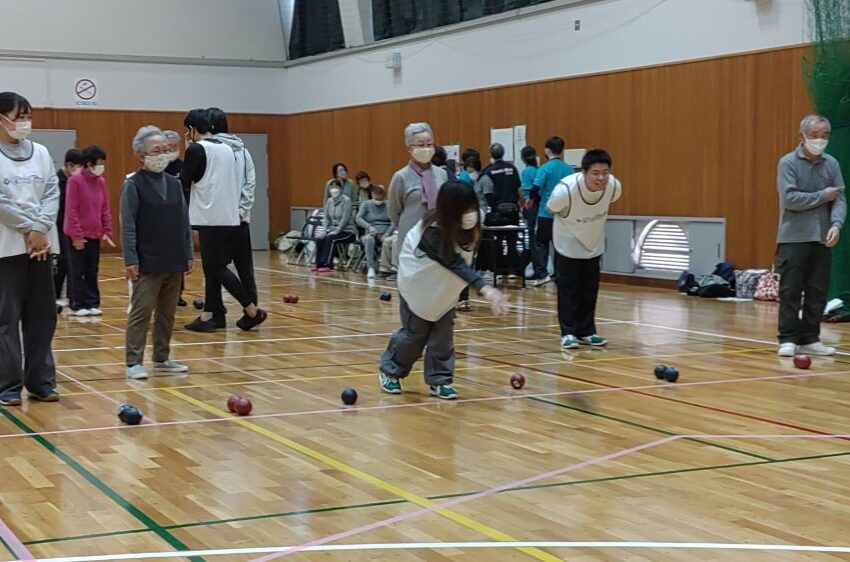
460,546
14,544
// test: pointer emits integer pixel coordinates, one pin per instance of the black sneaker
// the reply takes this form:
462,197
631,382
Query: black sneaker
220,321
247,323
198,325
46,396
182,302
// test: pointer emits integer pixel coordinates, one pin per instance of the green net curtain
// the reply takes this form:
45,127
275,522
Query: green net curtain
316,28
828,77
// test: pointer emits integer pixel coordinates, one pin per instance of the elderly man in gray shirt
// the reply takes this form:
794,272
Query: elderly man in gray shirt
812,209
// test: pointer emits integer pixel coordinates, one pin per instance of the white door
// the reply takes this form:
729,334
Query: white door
257,145
57,141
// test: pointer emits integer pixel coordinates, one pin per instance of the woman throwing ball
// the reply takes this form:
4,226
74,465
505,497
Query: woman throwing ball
434,267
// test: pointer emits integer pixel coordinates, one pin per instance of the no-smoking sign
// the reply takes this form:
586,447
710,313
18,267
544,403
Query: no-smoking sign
85,92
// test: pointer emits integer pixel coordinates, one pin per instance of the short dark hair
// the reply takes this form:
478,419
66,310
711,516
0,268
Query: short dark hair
529,155
361,175
497,151
378,189
218,120
472,162
10,102
556,145
74,156
451,164
93,153
467,152
440,156
337,165
198,119
595,156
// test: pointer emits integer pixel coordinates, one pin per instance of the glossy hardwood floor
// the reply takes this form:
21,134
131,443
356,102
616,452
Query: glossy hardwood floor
743,450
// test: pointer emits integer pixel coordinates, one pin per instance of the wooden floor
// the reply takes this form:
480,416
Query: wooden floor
744,450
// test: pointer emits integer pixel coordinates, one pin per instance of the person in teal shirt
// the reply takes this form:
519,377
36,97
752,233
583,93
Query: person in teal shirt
548,176
529,157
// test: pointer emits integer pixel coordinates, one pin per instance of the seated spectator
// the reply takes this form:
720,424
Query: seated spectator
364,189
373,219
339,229
340,179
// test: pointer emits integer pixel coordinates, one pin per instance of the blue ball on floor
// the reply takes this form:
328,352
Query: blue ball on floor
130,415
349,396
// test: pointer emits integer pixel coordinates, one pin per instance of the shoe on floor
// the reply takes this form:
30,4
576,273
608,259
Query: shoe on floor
81,312
182,302
170,366
463,306
61,302
324,270
816,348
198,325
137,372
314,268
787,349
389,384
540,282
10,398
371,273
247,323
95,312
594,340
569,342
444,391
46,396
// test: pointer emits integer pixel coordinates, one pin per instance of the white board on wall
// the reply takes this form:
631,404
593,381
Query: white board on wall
505,137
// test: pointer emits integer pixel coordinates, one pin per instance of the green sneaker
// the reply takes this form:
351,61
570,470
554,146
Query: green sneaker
389,384
569,342
444,391
594,340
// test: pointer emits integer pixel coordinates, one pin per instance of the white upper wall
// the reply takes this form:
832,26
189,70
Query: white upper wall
615,34
212,29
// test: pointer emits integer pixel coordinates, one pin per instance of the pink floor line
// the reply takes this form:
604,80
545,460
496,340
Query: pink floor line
429,403
15,545
278,383
449,503
770,436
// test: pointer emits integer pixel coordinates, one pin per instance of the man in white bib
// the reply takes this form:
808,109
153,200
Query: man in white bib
580,205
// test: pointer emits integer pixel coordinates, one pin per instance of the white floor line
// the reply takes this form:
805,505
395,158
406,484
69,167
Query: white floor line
614,545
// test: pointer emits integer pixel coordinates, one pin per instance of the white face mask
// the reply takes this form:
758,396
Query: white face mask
423,154
98,170
158,162
473,175
335,192
172,156
470,219
77,171
379,202
816,146
22,129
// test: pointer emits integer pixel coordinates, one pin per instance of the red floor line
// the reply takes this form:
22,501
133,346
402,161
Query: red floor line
668,398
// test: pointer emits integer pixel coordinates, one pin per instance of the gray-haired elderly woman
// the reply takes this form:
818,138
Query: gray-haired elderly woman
414,188
173,139
157,247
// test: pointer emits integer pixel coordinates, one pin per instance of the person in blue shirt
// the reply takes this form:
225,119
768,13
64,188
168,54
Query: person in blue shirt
529,157
548,176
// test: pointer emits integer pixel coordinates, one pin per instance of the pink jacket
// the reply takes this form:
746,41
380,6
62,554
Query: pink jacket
87,213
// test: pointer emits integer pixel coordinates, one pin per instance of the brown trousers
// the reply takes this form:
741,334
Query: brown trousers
152,292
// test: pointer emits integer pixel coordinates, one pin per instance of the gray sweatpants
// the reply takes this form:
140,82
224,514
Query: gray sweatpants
28,313
415,334
152,291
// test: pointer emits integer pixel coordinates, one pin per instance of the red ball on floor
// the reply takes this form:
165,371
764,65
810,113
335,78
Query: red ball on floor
802,361
242,406
517,380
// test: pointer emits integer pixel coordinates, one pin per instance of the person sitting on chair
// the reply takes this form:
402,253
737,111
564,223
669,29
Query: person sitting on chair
375,222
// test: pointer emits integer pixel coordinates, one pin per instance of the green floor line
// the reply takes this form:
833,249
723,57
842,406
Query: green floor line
443,497
100,485
9,548
649,428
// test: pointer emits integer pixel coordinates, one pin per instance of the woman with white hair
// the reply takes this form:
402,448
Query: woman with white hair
414,188
157,247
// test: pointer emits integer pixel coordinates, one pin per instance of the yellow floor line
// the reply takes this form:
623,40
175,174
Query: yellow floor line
365,477
296,378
